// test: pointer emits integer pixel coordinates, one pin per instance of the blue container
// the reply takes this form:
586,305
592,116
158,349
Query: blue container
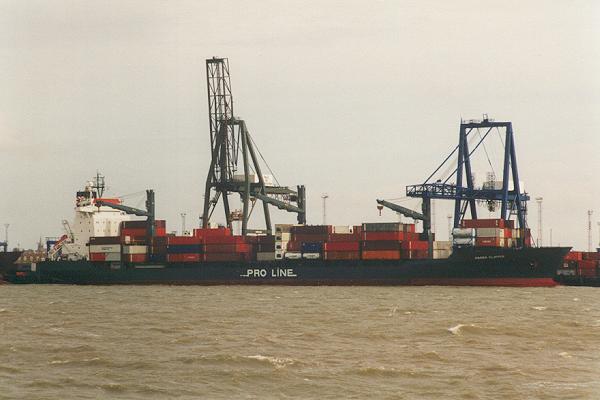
311,247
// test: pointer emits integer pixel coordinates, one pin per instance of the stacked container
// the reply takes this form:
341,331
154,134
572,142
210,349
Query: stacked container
306,241
492,233
105,248
343,243
283,236
392,241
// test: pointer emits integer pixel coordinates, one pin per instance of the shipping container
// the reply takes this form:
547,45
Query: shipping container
311,229
489,232
311,247
389,236
224,257
341,255
380,255
105,240
441,253
135,258
342,246
97,257
415,245
184,248
591,256
320,237
185,257
311,256
489,242
381,245
183,240
267,256
487,223
283,228
442,245
105,248
293,255
135,249
463,233
342,229
212,232
415,254
344,237
388,227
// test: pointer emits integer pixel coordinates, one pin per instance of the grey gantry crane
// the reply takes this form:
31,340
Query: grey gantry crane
229,137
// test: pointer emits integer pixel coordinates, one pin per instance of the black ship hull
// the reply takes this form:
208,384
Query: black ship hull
475,267
7,261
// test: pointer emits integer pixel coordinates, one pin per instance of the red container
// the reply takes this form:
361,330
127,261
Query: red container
219,248
134,232
213,257
342,246
484,223
294,246
321,237
204,233
383,236
415,245
591,256
135,258
587,264
97,256
341,255
415,254
381,245
488,242
224,239
344,237
381,255
574,256
183,240
189,257
105,240
311,230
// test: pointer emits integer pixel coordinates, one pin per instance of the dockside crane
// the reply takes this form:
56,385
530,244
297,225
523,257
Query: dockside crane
229,137
512,200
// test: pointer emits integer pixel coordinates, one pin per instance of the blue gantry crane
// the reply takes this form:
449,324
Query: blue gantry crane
463,190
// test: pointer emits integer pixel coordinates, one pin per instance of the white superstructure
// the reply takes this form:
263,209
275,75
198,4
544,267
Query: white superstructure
90,220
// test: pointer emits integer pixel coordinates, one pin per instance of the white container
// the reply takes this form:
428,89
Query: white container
264,256
135,249
283,228
463,241
281,245
311,256
463,232
440,245
105,248
438,254
283,236
343,229
293,255
490,232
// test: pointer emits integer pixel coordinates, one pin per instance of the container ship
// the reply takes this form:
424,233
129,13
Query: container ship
106,245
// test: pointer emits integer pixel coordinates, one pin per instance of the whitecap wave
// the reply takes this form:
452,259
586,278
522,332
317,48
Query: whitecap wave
539,308
277,362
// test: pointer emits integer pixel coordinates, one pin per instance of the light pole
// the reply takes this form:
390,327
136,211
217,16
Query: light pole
182,224
539,235
324,196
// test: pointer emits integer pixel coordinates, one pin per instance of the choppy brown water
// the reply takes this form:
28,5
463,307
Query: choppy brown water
303,342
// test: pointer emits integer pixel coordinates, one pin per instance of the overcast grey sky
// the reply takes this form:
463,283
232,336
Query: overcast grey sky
353,98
